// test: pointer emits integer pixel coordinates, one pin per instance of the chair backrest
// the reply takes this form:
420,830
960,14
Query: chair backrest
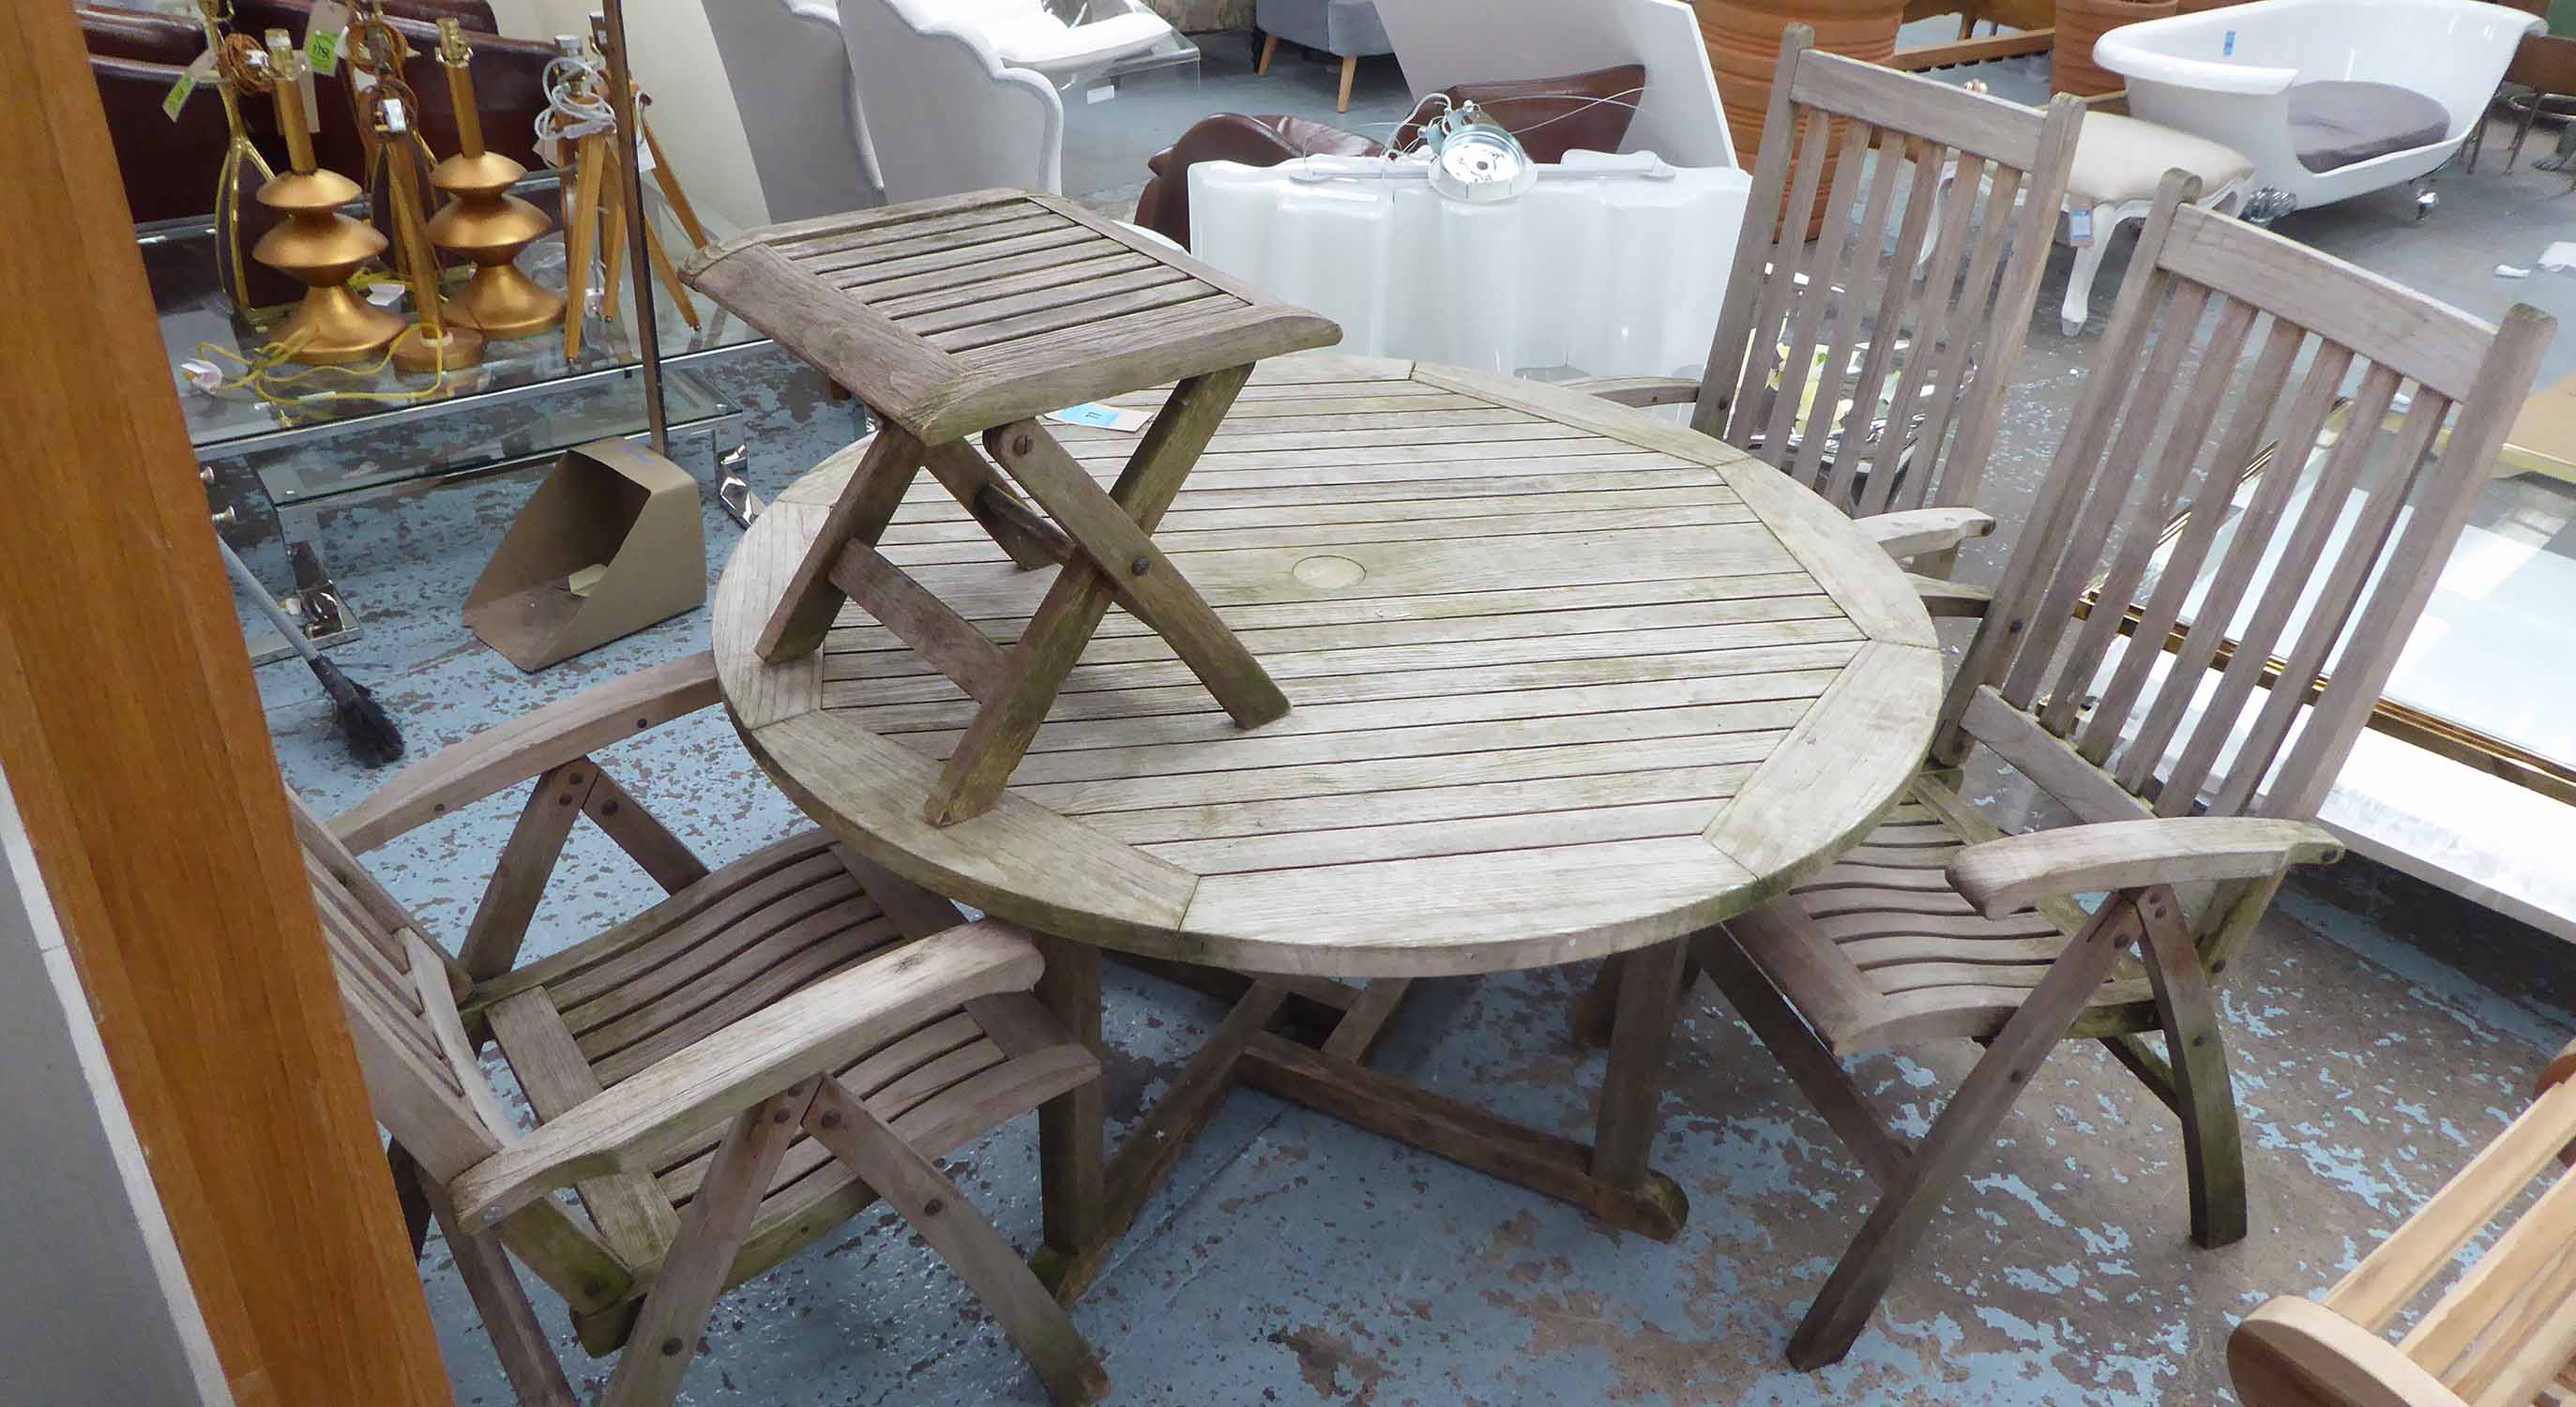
1940,316
942,113
400,998
791,80
1444,43
2503,1332
2303,569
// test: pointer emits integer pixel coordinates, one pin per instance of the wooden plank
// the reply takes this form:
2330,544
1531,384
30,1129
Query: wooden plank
1050,873
1545,1163
1145,1161
2378,318
805,607
630,1211
665,1336
1954,117
916,310
947,640
854,345
983,759
1829,781
518,882
1123,555
960,1236
1030,540
646,840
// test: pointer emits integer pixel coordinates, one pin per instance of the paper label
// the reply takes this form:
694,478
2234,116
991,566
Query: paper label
1103,417
643,157
385,295
205,376
322,36
198,71
2079,228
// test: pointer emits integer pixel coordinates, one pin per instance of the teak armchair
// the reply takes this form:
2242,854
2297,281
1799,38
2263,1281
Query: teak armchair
2194,787
721,1079
2505,1331
1942,317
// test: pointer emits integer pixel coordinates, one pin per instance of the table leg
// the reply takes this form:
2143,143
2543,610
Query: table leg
1632,1089
1071,1170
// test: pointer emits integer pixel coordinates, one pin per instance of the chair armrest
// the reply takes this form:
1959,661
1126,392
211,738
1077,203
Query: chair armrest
1918,530
2010,874
2293,1352
649,1117
1635,390
504,756
1951,600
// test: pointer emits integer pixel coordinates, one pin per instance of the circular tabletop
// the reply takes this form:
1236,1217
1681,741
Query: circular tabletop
1567,680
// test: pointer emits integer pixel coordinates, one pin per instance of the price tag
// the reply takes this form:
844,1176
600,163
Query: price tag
322,36
1103,417
2079,228
198,71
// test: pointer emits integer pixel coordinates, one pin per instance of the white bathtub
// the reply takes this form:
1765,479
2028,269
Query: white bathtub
2225,74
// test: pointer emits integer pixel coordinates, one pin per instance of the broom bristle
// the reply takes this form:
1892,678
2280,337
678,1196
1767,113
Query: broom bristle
372,733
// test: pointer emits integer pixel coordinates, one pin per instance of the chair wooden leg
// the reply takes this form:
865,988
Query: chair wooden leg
1269,49
1813,1066
1350,70
1072,1159
665,1336
527,1359
410,1189
1963,1133
2196,1054
1028,1315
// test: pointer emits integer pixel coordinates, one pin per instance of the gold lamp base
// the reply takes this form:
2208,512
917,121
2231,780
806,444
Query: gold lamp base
333,325
503,303
453,350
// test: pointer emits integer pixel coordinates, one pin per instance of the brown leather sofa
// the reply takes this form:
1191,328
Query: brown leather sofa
169,168
1552,116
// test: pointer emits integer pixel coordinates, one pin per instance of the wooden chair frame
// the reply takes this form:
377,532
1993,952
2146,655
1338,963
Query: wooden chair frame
2504,1332
1963,931
1968,307
810,1063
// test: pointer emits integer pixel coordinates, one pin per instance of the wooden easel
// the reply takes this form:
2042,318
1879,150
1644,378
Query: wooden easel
975,316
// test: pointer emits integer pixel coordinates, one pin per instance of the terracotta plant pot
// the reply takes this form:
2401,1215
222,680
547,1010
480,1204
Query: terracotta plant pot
2079,22
1743,39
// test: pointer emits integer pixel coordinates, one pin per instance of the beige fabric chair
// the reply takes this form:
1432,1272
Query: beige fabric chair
2194,776
2118,163
722,1079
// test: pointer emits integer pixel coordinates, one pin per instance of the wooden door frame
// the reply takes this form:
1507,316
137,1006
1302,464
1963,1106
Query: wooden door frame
134,740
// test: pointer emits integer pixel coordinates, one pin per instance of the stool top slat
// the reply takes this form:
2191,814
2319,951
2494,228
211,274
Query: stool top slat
955,315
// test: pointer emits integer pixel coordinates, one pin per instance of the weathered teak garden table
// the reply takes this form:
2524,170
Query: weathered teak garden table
1567,682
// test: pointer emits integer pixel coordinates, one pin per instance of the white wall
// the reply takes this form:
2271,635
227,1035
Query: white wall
674,54
95,1310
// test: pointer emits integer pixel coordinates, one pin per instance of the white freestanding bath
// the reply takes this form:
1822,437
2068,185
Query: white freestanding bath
2227,74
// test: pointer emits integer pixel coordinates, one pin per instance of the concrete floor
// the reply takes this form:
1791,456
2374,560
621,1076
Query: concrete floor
2382,1031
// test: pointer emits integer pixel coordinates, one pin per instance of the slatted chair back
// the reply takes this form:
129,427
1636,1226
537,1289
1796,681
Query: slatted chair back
396,989
2307,582
2503,1332
1942,313
423,1079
